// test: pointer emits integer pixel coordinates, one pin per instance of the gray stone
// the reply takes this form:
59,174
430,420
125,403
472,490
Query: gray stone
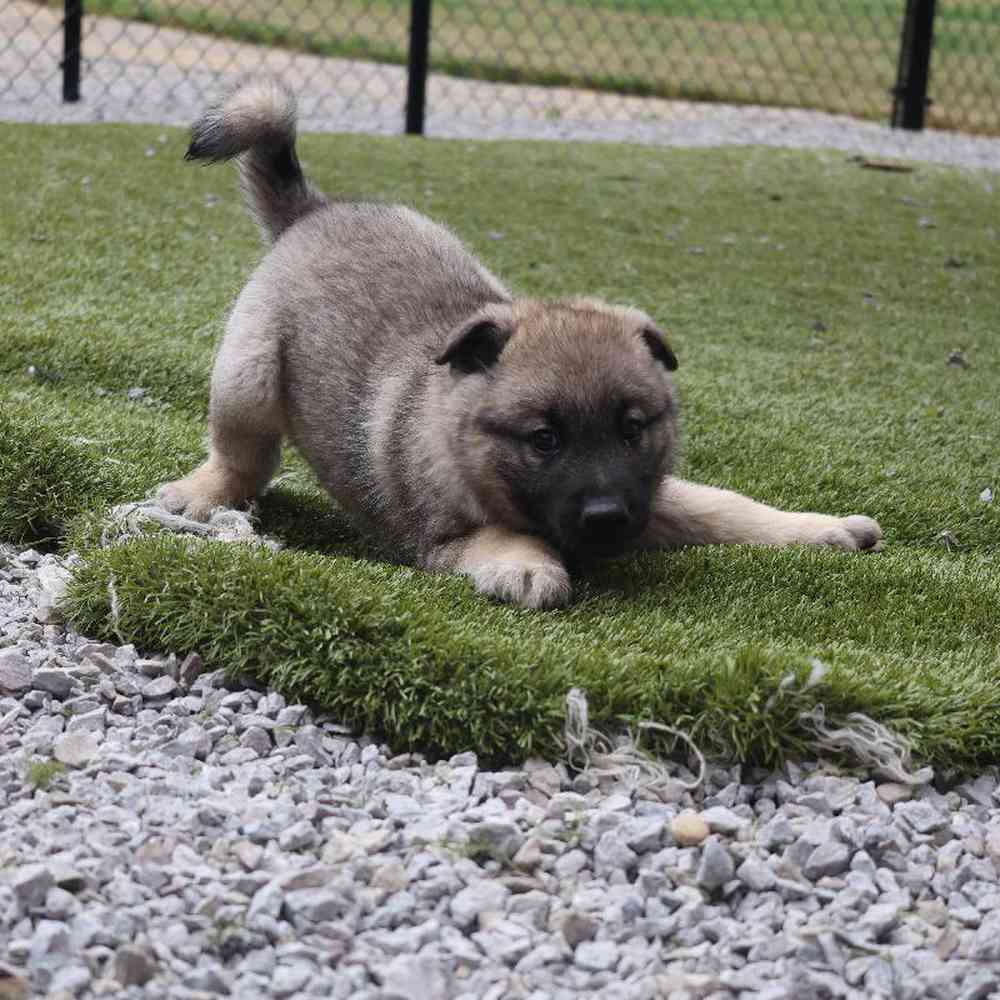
60,904
644,834
612,854
316,904
193,741
716,866
408,977
133,965
922,817
299,836
880,919
70,980
578,927
31,883
480,896
597,956
831,858
161,687
755,875
190,669
496,838
723,820
208,978
76,749
88,722
257,739
55,682
891,792
15,672
290,979
986,942
50,945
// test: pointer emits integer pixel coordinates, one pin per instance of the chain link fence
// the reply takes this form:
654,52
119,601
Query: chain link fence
524,65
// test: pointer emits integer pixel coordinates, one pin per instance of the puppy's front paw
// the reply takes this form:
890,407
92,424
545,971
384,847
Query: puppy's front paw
856,533
195,496
542,584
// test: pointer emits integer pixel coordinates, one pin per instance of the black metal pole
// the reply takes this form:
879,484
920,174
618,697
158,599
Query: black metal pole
416,70
72,30
910,95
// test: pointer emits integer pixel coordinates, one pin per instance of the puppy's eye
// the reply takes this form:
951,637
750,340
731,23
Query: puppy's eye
632,428
545,441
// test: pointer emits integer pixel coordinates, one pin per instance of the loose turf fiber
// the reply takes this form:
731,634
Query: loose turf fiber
814,306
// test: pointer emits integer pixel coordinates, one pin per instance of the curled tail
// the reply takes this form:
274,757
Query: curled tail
256,123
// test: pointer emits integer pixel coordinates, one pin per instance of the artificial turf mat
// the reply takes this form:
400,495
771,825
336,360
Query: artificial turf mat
814,306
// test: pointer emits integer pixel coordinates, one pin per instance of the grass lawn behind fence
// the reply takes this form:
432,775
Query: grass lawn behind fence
813,304
798,53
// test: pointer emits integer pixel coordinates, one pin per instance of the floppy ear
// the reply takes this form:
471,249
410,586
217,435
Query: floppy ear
657,342
476,345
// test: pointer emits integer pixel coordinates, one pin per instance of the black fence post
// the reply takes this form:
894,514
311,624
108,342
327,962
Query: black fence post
910,100
72,30
416,70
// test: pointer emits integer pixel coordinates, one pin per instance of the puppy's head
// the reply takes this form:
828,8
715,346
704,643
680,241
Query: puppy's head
564,419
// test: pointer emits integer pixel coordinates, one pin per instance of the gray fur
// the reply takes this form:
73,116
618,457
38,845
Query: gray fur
471,431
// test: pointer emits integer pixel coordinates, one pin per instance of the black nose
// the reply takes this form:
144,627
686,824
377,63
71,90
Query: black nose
604,516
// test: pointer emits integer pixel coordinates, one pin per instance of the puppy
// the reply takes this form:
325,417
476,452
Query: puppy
472,431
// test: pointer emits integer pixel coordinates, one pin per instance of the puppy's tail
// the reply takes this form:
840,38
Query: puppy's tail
256,123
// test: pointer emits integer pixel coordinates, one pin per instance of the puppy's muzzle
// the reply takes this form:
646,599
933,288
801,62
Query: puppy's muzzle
605,522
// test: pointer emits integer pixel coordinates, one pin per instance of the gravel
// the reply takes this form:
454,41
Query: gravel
198,839
137,72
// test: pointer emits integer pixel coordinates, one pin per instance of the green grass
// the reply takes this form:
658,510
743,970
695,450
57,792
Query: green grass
42,773
801,53
813,305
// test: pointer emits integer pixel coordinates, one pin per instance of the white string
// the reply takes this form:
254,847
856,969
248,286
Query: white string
130,520
594,753
873,744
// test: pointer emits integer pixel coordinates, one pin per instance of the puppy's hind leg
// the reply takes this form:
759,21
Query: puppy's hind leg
246,424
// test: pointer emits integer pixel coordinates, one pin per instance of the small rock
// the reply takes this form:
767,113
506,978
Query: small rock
50,941
60,904
890,792
922,816
597,956
257,739
316,905
479,896
15,672
529,855
755,875
161,687
391,876
290,980
193,741
578,927
689,829
408,977
133,966
69,981
31,883
723,820
249,855
298,837
716,867
880,919
76,749
831,858
12,985
55,682
190,670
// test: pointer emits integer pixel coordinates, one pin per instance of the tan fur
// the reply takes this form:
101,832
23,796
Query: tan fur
471,431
